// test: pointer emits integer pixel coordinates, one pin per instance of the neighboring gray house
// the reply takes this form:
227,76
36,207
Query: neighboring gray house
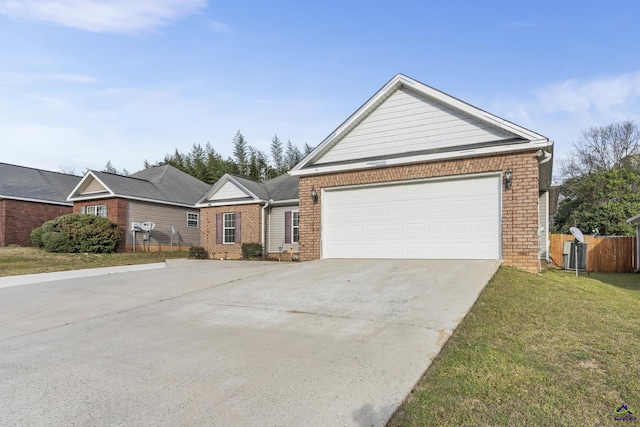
636,221
163,195
28,198
238,210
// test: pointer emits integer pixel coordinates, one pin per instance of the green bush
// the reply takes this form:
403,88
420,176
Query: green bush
36,237
251,250
55,241
80,233
197,252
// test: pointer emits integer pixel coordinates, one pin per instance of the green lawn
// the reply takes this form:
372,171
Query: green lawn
546,350
15,260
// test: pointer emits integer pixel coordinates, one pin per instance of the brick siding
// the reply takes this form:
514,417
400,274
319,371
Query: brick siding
18,218
116,212
251,227
519,204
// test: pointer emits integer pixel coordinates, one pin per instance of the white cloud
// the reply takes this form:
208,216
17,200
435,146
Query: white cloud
23,78
606,95
106,16
562,110
220,27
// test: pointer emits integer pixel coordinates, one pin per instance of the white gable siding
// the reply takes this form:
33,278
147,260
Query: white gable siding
276,230
228,191
408,121
93,186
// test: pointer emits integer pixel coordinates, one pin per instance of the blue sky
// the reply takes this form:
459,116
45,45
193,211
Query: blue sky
87,81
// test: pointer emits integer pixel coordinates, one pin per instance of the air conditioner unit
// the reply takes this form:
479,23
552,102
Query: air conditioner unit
569,255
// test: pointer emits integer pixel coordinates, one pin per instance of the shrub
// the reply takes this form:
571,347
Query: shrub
55,241
80,233
197,252
251,250
36,237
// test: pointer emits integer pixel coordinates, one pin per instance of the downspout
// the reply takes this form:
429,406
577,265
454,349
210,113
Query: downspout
263,236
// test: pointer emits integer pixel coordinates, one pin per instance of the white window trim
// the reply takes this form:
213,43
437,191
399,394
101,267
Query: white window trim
293,227
196,219
95,208
225,228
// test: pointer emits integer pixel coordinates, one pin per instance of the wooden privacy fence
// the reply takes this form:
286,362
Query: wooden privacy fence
605,254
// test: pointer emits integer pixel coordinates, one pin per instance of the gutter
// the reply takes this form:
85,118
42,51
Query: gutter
263,237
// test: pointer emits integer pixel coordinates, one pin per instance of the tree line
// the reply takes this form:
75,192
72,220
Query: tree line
601,187
206,164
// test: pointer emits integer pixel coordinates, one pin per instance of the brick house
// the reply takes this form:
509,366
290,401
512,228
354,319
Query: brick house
417,173
30,197
238,210
162,195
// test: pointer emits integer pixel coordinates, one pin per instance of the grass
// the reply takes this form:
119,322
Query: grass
15,260
548,350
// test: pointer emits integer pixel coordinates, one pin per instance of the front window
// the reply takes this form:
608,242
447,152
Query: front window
99,210
229,227
193,220
295,226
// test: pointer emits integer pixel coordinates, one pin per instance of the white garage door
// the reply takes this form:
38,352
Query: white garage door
436,219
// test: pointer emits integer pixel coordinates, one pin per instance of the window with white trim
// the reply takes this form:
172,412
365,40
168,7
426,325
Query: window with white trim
99,210
229,227
193,220
295,226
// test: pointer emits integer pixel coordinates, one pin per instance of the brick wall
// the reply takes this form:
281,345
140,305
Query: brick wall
18,218
116,212
251,227
519,204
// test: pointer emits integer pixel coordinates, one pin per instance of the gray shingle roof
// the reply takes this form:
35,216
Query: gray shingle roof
284,187
26,183
159,183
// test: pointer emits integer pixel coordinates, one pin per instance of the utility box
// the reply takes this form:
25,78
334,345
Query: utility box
569,255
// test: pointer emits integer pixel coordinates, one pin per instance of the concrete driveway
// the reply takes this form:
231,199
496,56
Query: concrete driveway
331,342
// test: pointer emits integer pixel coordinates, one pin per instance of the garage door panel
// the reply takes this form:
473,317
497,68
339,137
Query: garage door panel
456,219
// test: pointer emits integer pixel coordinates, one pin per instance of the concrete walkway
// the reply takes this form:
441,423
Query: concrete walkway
331,342
29,279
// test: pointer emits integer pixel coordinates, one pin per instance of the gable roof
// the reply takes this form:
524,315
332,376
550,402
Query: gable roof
35,185
160,184
406,122
234,190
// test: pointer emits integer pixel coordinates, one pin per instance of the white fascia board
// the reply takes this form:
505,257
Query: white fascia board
422,158
204,201
428,91
120,196
634,219
244,189
25,199
218,204
285,202
71,197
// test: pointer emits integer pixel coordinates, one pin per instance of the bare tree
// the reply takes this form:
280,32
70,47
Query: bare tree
603,148
69,170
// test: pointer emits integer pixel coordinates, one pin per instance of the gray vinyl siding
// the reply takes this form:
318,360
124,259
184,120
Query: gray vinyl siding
163,216
276,230
543,221
408,121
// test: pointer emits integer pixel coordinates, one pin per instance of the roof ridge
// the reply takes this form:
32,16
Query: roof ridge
39,170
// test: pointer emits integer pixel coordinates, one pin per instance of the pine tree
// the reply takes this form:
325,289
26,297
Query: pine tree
277,155
240,153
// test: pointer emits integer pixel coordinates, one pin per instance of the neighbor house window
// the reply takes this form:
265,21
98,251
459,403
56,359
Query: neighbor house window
229,227
99,210
295,226
193,220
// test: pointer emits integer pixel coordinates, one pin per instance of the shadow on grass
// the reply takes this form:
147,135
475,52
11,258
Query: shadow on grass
629,281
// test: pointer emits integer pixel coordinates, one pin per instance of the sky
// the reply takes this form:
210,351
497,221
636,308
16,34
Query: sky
84,82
